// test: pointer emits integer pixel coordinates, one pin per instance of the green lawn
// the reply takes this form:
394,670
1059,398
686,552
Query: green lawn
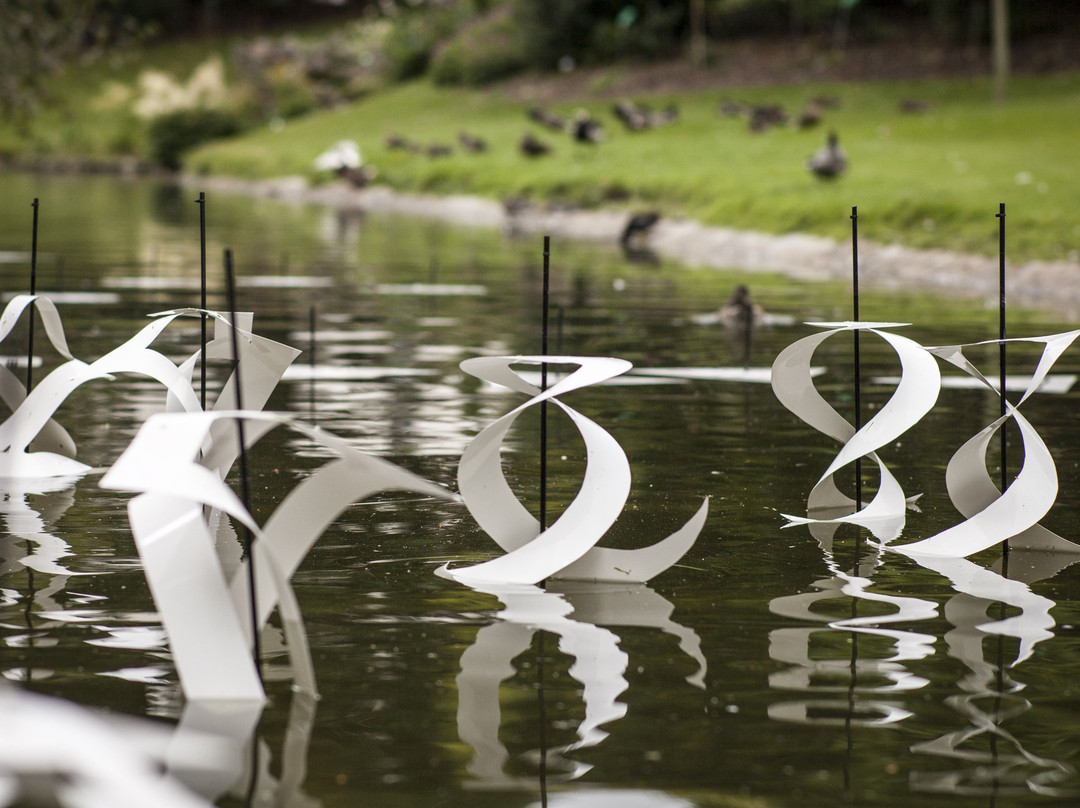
933,179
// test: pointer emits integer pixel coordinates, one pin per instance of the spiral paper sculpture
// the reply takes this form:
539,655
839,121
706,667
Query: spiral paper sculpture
992,515
915,395
567,548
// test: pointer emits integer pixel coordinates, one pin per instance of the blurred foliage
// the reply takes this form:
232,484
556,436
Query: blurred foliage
39,39
175,132
598,31
486,49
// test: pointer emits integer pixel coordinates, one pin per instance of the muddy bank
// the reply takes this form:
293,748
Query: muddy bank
1046,285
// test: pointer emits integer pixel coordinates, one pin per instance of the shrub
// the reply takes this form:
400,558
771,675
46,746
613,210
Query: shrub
172,134
409,45
485,50
596,31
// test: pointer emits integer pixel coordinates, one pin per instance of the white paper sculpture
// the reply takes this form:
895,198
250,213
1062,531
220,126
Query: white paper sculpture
993,516
566,549
914,396
32,445
206,616
52,437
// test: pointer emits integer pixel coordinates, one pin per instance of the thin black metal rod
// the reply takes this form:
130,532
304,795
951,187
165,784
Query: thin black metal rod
311,362
201,201
543,384
543,720
1001,358
543,514
855,335
245,492
30,309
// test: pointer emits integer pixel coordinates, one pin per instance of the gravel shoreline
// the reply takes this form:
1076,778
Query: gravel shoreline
1043,285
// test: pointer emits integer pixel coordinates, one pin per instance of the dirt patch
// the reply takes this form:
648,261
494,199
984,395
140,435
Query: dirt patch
796,60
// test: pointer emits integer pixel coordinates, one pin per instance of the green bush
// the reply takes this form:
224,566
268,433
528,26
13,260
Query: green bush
485,50
600,31
408,48
172,134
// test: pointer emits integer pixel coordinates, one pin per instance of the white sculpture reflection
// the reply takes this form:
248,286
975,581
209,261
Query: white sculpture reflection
915,395
28,539
54,752
992,516
858,690
991,759
574,615
567,548
29,543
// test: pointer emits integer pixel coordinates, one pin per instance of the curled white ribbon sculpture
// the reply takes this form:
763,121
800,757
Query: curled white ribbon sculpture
206,616
991,515
567,548
33,445
51,437
915,395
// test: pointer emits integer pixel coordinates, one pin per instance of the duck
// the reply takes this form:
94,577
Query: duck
397,142
829,161
634,118
637,226
741,310
472,143
343,154
668,115
532,146
809,117
344,159
585,128
765,116
548,119
359,177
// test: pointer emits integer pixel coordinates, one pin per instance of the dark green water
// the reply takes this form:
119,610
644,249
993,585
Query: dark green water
749,695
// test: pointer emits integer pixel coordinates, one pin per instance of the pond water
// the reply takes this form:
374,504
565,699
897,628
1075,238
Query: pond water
743,676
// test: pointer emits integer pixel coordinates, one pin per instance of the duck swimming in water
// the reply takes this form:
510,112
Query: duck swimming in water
740,310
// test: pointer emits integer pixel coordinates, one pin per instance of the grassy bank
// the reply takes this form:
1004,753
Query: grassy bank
932,179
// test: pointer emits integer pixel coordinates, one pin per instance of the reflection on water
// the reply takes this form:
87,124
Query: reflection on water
856,688
575,615
993,760
765,669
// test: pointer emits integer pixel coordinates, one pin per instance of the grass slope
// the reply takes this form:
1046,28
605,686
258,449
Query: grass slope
933,179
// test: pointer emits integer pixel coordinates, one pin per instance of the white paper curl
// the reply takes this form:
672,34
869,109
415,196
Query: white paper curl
915,395
566,548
